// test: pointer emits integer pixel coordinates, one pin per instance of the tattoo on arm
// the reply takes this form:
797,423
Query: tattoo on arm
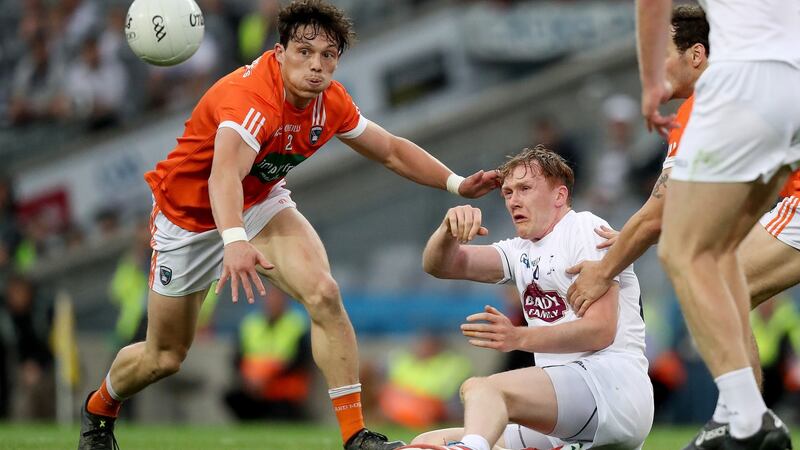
661,186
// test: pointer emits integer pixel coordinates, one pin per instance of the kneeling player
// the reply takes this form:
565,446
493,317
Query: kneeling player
590,384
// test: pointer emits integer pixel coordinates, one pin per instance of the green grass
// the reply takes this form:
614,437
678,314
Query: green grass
242,437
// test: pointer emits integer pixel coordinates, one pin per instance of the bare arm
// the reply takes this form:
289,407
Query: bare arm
233,159
595,331
639,233
446,257
652,32
410,161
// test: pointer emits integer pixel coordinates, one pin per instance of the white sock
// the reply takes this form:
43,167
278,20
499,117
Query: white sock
110,389
739,391
476,442
344,390
721,414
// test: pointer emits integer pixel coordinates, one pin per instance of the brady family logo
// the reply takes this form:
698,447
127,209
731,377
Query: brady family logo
548,306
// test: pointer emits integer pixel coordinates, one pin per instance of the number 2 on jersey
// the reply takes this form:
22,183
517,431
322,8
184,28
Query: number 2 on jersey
288,147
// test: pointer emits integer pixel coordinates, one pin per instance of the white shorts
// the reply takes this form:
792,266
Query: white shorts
184,262
783,222
745,124
621,392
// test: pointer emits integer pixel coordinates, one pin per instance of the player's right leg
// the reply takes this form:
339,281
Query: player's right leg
170,331
302,271
515,437
770,254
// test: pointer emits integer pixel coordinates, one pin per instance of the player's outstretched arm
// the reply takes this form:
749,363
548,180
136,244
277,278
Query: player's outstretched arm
233,159
447,256
594,332
639,233
409,160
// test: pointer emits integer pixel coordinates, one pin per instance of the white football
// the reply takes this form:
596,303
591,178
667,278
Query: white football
164,32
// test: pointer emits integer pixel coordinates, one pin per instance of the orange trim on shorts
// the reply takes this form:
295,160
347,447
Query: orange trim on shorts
154,256
782,225
778,217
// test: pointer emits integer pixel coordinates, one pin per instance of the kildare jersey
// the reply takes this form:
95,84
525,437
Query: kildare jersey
539,269
250,101
754,30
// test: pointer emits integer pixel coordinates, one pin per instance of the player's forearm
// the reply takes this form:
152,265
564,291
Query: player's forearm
652,32
439,256
572,337
409,160
227,199
640,232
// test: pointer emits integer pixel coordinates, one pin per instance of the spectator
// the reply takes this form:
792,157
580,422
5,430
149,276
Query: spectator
128,290
36,84
96,86
258,31
423,383
273,362
26,328
776,328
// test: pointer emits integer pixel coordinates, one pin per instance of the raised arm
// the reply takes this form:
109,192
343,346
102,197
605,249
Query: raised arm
595,331
639,233
447,256
652,34
410,161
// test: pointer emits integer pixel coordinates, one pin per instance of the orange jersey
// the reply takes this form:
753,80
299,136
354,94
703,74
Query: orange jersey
790,189
249,100
675,134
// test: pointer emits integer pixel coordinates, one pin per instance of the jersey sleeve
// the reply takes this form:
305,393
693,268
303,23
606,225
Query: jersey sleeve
508,258
353,123
583,246
249,115
675,135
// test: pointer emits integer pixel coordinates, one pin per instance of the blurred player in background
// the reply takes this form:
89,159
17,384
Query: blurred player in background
221,211
743,136
590,384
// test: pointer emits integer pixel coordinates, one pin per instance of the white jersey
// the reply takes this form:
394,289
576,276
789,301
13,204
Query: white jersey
539,269
754,30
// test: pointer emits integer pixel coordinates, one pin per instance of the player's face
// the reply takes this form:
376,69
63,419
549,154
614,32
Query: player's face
307,65
531,201
678,66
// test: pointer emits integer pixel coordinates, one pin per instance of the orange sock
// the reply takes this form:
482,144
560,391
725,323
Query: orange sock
101,403
348,413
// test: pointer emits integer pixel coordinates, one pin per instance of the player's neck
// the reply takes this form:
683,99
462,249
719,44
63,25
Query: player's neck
561,213
295,100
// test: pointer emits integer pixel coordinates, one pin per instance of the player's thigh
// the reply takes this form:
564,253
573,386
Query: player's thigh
445,435
770,264
292,245
530,397
713,216
171,321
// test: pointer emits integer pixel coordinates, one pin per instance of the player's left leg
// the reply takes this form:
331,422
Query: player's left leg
515,437
703,226
771,264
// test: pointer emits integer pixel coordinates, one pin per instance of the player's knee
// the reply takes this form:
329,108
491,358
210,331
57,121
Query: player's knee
324,301
169,362
471,385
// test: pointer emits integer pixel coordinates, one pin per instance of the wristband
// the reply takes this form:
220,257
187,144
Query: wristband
233,235
453,182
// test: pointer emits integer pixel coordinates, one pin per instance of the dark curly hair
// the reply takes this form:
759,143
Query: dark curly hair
689,26
320,17
544,161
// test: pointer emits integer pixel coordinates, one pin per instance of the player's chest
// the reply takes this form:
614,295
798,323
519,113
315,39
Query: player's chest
542,282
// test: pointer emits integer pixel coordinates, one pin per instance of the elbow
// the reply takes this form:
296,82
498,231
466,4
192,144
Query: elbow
602,337
433,270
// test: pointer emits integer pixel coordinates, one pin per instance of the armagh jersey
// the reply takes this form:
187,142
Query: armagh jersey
539,269
754,30
250,101
675,134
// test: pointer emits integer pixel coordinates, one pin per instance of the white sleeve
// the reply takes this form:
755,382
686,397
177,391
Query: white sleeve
584,244
355,132
507,258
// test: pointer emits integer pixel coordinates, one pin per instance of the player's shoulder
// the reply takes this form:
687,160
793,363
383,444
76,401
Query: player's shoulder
685,110
585,220
512,244
255,81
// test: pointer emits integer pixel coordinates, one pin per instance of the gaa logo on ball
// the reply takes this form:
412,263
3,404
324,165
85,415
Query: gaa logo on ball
164,32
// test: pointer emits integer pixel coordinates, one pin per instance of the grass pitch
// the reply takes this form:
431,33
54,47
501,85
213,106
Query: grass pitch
241,437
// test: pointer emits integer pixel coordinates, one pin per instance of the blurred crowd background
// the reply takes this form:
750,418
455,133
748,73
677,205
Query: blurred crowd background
81,119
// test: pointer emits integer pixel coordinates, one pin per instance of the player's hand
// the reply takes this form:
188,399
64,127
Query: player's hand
609,234
652,98
479,184
498,334
588,287
239,266
463,223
